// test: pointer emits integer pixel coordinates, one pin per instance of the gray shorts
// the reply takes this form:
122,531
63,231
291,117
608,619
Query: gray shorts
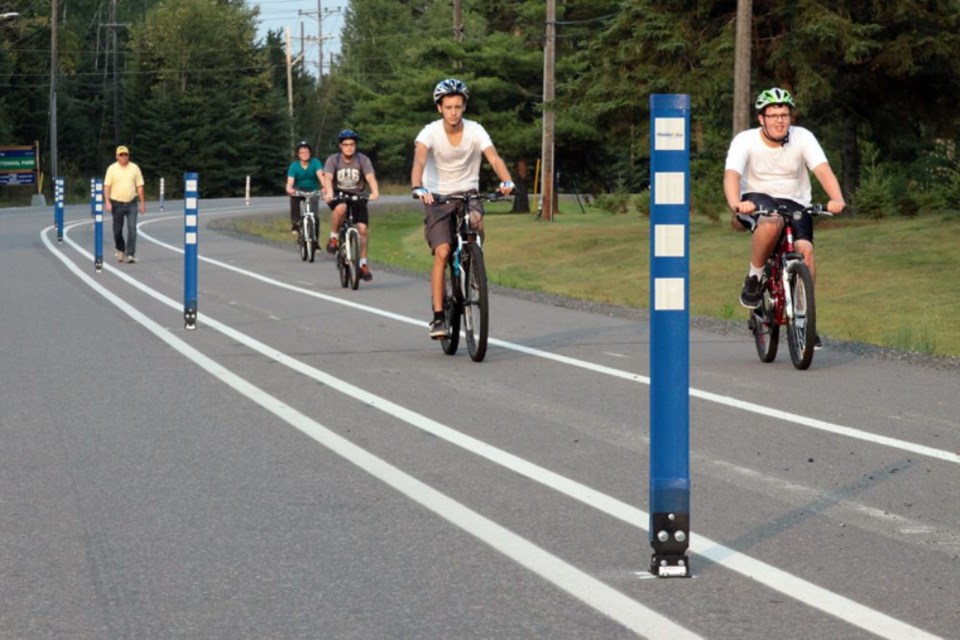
439,219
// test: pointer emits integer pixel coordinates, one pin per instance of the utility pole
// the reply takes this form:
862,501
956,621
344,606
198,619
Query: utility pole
116,92
289,84
321,14
741,66
55,10
546,190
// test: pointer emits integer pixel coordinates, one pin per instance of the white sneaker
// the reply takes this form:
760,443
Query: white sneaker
119,255
131,259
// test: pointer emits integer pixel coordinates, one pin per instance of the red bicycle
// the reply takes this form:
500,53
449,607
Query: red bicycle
787,289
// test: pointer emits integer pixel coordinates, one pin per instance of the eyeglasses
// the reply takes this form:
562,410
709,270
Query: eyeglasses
777,116
123,154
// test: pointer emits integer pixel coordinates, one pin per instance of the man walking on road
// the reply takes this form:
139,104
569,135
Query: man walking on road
122,188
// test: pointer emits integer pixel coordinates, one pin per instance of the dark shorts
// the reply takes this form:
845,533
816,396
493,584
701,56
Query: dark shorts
802,228
360,213
438,221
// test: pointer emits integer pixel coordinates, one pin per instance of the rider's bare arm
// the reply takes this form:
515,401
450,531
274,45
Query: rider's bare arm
831,185
499,167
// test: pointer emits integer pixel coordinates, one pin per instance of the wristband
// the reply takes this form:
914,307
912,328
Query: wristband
419,192
506,184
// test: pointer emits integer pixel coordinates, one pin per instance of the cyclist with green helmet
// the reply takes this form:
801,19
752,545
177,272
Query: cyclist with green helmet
769,166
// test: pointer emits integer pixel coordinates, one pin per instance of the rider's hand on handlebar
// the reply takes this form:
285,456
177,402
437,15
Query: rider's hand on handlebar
836,206
425,196
373,195
506,187
745,207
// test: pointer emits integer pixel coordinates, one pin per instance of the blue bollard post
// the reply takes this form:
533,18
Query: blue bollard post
190,212
58,207
93,202
161,194
669,335
98,225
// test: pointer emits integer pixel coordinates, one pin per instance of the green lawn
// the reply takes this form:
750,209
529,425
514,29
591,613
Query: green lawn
893,282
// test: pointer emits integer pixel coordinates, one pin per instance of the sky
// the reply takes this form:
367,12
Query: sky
278,14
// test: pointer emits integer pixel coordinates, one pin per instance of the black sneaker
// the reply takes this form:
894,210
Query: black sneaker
751,296
332,246
438,329
817,343
365,273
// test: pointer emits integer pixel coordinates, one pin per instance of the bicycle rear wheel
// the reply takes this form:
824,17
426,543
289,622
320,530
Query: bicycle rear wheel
353,243
802,323
452,310
475,310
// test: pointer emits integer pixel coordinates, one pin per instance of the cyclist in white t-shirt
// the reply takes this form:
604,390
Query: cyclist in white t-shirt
767,167
447,157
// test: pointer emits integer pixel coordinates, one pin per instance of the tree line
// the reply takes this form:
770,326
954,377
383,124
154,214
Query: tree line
197,90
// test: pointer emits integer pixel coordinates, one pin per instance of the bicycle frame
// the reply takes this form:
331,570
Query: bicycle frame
348,250
308,219
786,277
466,290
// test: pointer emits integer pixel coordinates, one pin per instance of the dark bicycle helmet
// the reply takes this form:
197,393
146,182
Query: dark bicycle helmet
769,97
348,134
302,144
450,87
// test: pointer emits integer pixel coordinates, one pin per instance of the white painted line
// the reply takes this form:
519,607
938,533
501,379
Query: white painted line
813,423
608,601
806,592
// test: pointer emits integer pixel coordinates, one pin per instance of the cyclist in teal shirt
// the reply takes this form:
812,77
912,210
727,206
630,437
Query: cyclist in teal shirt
304,174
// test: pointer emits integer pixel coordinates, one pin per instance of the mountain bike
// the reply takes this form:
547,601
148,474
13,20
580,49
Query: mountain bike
309,229
348,243
465,291
787,289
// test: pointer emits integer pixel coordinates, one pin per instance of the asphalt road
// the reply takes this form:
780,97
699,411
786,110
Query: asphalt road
308,464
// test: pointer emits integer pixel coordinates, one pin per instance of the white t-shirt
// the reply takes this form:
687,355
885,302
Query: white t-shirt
779,172
452,169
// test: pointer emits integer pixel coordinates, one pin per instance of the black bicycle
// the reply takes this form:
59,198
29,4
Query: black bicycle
787,288
465,291
348,243
307,233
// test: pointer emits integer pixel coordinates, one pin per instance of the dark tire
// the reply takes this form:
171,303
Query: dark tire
766,333
452,310
802,323
353,238
476,313
310,241
301,241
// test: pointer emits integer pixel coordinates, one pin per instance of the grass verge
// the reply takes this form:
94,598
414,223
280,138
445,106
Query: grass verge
892,283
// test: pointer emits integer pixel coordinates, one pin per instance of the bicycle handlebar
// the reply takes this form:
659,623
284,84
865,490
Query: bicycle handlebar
466,197
305,194
748,220
357,197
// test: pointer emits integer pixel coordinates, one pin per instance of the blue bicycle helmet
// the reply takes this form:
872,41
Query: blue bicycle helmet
348,134
450,87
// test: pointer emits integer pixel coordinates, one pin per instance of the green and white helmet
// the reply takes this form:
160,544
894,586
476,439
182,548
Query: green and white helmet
774,96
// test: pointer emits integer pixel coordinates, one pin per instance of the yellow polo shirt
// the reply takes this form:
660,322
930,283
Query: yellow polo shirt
123,181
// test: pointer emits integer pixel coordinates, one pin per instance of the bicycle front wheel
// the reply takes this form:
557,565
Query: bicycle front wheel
475,310
802,323
302,240
353,243
310,240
